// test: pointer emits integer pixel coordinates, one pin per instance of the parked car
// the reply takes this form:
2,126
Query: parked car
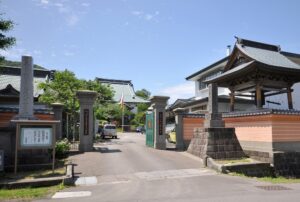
171,136
140,129
109,130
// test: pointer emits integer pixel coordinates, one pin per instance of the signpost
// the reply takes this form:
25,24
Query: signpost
1,160
35,134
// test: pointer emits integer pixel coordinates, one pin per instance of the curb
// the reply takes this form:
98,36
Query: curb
67,179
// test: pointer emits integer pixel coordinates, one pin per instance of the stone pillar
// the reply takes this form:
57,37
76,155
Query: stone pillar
289,97
232,100
213,119
57,108
26,89
180,145
159,104
258,97
86,100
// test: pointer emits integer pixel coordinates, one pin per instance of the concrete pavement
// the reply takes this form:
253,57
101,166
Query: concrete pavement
126,170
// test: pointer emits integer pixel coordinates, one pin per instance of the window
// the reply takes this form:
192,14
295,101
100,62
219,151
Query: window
203,85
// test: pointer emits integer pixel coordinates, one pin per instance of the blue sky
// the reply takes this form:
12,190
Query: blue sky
154,43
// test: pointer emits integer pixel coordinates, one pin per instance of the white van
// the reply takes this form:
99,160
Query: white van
109,130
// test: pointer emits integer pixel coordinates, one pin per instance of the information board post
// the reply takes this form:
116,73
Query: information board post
35,134
1,160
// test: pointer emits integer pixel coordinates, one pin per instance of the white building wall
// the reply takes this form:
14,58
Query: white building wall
282,99
203,93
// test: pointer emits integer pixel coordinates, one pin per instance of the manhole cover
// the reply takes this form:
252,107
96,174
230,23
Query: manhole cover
273,188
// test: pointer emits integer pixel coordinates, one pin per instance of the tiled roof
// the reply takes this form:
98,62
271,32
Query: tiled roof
273,58
262,112
124,87
15,81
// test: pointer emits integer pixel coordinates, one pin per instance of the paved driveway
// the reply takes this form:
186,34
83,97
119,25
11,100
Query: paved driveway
128,171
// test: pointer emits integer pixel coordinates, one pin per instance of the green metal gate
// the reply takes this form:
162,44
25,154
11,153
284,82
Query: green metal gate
150,130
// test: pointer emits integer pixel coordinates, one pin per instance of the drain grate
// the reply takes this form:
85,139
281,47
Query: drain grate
273,188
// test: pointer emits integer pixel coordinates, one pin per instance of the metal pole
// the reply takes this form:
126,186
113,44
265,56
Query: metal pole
122,118
68,126
53,150
16,151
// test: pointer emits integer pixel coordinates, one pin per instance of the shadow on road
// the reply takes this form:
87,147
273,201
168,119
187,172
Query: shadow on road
106,150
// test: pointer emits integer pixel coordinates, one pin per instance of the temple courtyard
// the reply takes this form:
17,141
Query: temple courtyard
125,169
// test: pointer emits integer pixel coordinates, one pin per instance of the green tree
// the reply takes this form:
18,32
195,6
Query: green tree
143,93
140,117
5,41
111,112
63,89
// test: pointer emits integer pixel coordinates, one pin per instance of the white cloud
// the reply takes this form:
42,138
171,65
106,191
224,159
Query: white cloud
68,53
183,90
85,4
14,53
44,2
137,13
58,5
72,19
145,16
148,17
37,52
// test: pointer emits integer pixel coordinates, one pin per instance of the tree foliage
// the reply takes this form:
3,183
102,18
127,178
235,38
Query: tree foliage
5,41
140,117
143,93
63,89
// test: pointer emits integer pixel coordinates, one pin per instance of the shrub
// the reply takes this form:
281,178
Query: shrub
62,147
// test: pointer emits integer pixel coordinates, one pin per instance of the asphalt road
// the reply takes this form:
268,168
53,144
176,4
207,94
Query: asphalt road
125,170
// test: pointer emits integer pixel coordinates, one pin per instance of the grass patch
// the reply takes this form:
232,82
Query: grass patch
273,180
232,161
29,193
278,180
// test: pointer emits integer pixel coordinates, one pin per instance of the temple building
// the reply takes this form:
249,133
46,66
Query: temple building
258,71
123,88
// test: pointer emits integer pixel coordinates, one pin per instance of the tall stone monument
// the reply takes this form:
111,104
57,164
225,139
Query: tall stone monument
86,100
26,90
213,119
159,104
214,140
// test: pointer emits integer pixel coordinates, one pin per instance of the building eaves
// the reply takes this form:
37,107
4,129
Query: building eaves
207,68
113,81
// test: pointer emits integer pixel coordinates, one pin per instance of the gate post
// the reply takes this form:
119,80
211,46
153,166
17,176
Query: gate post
86,100
179,128
159,104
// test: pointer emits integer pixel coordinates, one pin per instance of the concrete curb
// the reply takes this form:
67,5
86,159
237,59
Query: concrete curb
67,179
253,169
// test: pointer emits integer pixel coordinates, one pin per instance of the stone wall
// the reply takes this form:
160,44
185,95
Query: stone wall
287,164
217,143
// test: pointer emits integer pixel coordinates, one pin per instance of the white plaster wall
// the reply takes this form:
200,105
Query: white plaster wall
225,107
203,93
282,99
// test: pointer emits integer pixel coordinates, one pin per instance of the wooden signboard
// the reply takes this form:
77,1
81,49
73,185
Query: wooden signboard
35,134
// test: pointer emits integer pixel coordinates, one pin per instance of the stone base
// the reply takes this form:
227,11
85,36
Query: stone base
86,147
216,143
160,146
287,164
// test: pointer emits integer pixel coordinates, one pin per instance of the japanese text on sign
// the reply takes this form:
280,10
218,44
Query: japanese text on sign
36,137
160,123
